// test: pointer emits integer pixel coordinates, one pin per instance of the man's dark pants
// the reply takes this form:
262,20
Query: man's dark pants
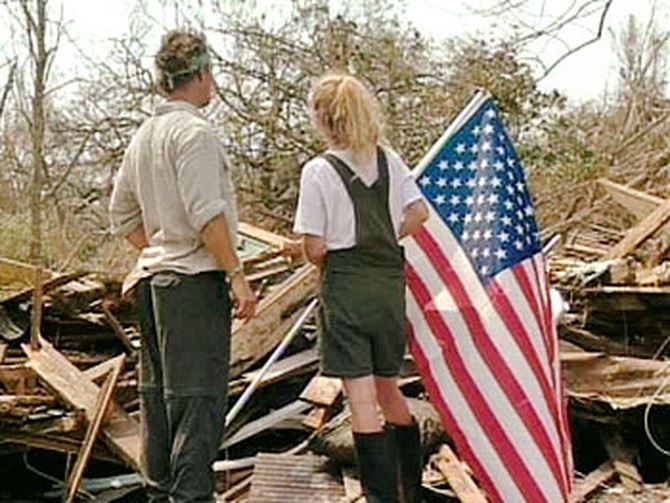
185,323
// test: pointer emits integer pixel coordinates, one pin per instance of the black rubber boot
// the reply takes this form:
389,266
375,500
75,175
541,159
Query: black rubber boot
410,464
376,462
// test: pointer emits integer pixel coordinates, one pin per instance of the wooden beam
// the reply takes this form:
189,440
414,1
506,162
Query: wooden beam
253,339
262,235
322,390
640,233
457,477
638,203
102,405
67,381
118,329
14,271
592,482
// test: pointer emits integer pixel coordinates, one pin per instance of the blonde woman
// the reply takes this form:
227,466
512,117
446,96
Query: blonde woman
356,202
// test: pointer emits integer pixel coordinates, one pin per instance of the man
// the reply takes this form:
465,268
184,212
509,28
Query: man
173,199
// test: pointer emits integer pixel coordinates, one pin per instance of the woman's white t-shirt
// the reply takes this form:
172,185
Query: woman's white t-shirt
325,208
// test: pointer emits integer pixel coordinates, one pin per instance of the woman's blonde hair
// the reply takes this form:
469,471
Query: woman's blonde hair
347,114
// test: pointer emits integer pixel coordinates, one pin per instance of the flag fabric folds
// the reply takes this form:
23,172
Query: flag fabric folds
479,315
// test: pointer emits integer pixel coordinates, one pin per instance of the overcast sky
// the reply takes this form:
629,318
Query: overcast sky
584,75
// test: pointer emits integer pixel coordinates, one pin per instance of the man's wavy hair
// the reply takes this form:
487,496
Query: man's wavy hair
182,56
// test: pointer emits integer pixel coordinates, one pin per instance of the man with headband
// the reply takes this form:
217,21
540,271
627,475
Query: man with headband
173,199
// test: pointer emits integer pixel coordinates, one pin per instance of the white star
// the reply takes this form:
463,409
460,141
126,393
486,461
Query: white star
518,244
493,198
506,221
490,216
481,199
484,164
440,199
456,183
460,148
477,234
482,181
500,254
453,218
425,181
455,200
443,165
488,234
469,200
476,130
500,150
519,229
474,148
511,161
486,146
475,253
472,166
490,114
486,252
528,210
484,270
509,205
442,182
488,129
478,217
510,190
503,237
472,183
468,218
519,187
496,182
498,165
459,166
465,236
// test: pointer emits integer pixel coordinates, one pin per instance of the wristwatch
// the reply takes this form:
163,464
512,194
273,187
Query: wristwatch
238,269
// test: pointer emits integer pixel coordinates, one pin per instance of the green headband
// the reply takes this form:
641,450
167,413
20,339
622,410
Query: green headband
197,63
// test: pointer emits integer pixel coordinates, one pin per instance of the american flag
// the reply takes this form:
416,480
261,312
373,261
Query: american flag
480,324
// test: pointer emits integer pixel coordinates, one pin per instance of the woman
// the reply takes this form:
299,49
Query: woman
356,202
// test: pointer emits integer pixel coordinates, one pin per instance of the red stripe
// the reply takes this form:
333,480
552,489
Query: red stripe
468,386
514,391
510,317
465,450
551,341
539,312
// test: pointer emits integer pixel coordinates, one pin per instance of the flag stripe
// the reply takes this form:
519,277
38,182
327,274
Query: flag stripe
525,405
473,442
488,403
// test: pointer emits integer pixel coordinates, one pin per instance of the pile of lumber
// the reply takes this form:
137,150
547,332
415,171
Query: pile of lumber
69,405
615,344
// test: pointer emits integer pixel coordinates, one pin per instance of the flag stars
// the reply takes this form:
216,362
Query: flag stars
488,129
440,199
455,200
453,218
474,148
456,183
425,181
506,220
503,237
490,216
500,254
461,148
459,166
443,165
518,244
476,130
442,182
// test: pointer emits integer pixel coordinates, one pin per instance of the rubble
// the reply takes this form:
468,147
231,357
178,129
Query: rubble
73,400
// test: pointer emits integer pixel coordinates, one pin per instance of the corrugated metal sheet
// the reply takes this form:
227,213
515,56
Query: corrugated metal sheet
282,478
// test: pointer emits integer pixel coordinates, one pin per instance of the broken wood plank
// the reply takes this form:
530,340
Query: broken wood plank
317,418
262,235
122,432
592,482
47,286
638,203
457,477
117,329
253,339
639,234
322,390
3,351
95,422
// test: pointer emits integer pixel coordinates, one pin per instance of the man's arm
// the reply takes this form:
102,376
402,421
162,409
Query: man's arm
217,239
138,238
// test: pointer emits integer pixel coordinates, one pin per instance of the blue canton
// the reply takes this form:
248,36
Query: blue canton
477,185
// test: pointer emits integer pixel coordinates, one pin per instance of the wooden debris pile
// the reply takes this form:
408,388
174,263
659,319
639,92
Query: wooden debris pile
615,344
69,406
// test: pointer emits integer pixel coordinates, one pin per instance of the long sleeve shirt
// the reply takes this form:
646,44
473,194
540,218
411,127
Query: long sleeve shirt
173,180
